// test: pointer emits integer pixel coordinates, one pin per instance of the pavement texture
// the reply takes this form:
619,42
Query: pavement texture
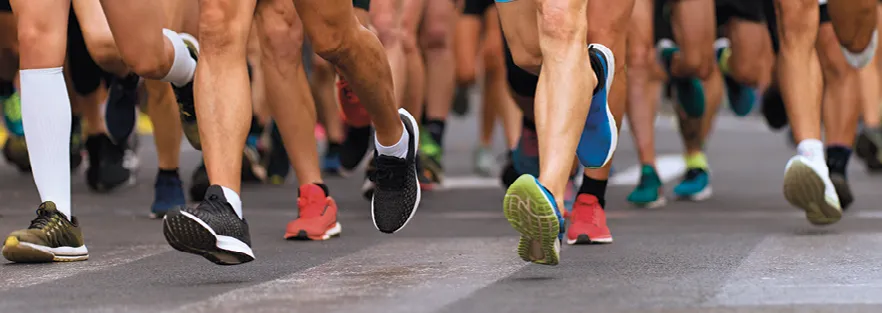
744,250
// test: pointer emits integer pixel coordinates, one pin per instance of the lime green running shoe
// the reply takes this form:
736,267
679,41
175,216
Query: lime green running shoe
533,212
12,114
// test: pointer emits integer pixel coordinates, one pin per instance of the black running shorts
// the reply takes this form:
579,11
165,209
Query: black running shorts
362,4
478,7
6,7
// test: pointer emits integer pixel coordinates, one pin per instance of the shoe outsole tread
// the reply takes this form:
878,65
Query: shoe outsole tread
804,189
537,223
198,240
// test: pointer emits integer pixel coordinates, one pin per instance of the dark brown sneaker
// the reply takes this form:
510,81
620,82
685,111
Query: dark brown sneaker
50,237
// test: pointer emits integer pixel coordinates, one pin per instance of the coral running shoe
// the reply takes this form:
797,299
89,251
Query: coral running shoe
587,222
354,114
317,218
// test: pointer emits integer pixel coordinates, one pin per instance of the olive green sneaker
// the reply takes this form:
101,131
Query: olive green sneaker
186,101
51,237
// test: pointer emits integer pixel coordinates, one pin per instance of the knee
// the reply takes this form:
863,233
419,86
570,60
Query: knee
388,31
321,68
222,30
747,70
331,45
494,57
639,57
436,36
281,35
795,25
696,62
560,25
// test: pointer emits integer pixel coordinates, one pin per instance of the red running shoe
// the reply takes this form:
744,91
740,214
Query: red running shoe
587,222
353,112
317,218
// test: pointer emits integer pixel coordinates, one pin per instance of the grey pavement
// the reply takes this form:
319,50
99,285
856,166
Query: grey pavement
744,250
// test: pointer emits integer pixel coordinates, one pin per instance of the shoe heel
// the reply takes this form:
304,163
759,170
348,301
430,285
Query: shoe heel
805,190
536,222
187,235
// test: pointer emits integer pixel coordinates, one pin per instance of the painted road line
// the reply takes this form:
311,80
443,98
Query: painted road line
20,276
818,269
403,275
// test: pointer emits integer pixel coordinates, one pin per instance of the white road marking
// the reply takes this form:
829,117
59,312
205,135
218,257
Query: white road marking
23,275
721,123
407,275
669,167
471,182
808,269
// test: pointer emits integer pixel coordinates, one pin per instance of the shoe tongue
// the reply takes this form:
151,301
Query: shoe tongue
48,206
587,199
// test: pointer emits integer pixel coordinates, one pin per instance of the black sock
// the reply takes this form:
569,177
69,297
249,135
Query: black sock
596,188
323,186
435,127
837,159
528,124
168,173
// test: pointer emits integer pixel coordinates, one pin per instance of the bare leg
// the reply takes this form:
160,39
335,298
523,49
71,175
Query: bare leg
496,93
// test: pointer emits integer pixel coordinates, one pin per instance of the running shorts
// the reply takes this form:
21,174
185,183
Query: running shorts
362,4
85,75
478,7
5,6
521,82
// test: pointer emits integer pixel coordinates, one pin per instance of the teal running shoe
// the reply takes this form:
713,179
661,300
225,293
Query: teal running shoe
741,97
648,193
12,114
690,92
695,186
533,212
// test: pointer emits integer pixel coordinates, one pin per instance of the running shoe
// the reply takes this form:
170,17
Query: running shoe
741,97
867,148
533,212
212,229
199,183
807,186
690,92
600,134
509,173
252,162
76,143
168,194
773,108
430,162
396,194
317,218
120,111
12,114
588,222
331,159
648,193
354,113
460,105
525,157
50,237
484,161
367,188
355,148
186,102
106,171
695,185
15,150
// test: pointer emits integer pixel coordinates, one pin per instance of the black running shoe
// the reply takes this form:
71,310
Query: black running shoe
199,183
396,195
106,170
843,190
120,112
357,144
186,103
76,143
212,229
773,108
867,149
460,105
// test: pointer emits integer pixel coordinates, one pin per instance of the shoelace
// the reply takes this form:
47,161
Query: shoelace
387,174
43,219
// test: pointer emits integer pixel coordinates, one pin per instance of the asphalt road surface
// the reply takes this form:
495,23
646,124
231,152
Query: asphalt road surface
744,250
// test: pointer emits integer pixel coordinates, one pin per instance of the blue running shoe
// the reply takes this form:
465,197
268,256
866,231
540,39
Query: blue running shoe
690,92
648,193
525,158
695,185
533,212
600,134
741,97
168,194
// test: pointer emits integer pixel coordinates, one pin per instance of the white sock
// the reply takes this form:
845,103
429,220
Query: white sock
46,117
813,149
184,66
859,60
234,200
398,150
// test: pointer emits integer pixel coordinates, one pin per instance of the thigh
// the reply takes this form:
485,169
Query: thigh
694,24
640,34
437,23
520,27
181,15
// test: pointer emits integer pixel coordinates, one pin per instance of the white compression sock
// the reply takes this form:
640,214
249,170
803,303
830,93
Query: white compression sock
46,117
234,200
398,150
184,66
